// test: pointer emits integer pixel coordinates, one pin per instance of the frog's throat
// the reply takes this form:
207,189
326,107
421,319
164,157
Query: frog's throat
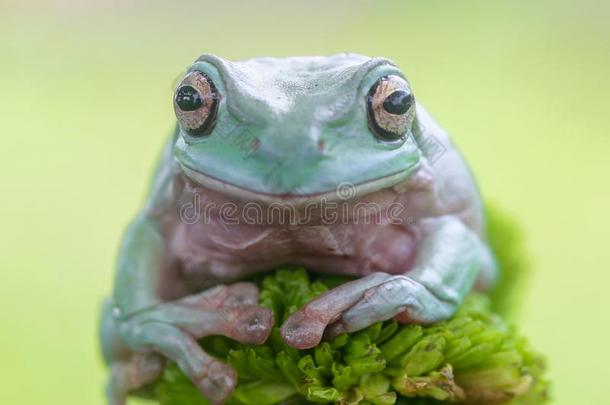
343,191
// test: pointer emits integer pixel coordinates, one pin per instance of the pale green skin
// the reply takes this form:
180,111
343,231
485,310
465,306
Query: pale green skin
308,118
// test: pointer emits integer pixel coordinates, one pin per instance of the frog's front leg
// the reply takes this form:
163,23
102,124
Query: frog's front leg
446,266
144,324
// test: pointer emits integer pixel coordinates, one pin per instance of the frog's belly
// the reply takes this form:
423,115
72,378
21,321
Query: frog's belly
216,252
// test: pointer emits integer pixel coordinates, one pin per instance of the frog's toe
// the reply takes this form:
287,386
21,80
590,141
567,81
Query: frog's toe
305,328
400,297
252,325
223,296
130,375
241,294
303,332
382,302
218,382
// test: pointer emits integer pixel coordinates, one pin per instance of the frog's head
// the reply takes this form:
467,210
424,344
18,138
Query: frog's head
272,129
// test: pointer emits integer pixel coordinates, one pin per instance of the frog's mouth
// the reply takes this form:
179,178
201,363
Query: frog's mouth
344,191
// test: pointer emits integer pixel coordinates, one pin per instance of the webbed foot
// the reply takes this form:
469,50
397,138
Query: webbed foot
173,328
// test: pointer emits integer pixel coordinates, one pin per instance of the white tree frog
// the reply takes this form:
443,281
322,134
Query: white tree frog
321,162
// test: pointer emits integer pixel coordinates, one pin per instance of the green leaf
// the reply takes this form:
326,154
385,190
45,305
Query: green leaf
288,367
401,342
263,392
308,367
323,355
424,357
388,330
343,377
374,385
322,394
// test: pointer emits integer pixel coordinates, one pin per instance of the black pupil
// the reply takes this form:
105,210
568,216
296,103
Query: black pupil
398,102
188,99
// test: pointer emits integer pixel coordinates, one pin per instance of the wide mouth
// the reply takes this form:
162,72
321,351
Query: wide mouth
342,192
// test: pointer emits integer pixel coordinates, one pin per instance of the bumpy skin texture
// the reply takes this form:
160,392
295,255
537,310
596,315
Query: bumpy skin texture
287,133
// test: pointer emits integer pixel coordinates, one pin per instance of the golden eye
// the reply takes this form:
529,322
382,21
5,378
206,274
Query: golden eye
196,104
390,108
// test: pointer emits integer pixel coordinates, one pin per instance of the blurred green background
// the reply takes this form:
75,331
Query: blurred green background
85,104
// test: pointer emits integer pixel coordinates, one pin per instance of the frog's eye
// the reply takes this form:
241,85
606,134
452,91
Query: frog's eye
390,108
196,104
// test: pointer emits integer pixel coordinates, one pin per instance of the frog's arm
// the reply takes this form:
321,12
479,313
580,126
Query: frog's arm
145,323
141,251
445,269
138,267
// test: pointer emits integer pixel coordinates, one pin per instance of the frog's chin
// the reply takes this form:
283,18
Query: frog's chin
342,192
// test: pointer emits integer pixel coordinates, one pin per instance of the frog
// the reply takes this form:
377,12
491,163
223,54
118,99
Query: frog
305,135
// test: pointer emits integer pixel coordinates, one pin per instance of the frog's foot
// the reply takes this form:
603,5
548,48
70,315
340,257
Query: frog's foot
127,376
399,297
305,328
360,303
224,310
232,296
173,328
